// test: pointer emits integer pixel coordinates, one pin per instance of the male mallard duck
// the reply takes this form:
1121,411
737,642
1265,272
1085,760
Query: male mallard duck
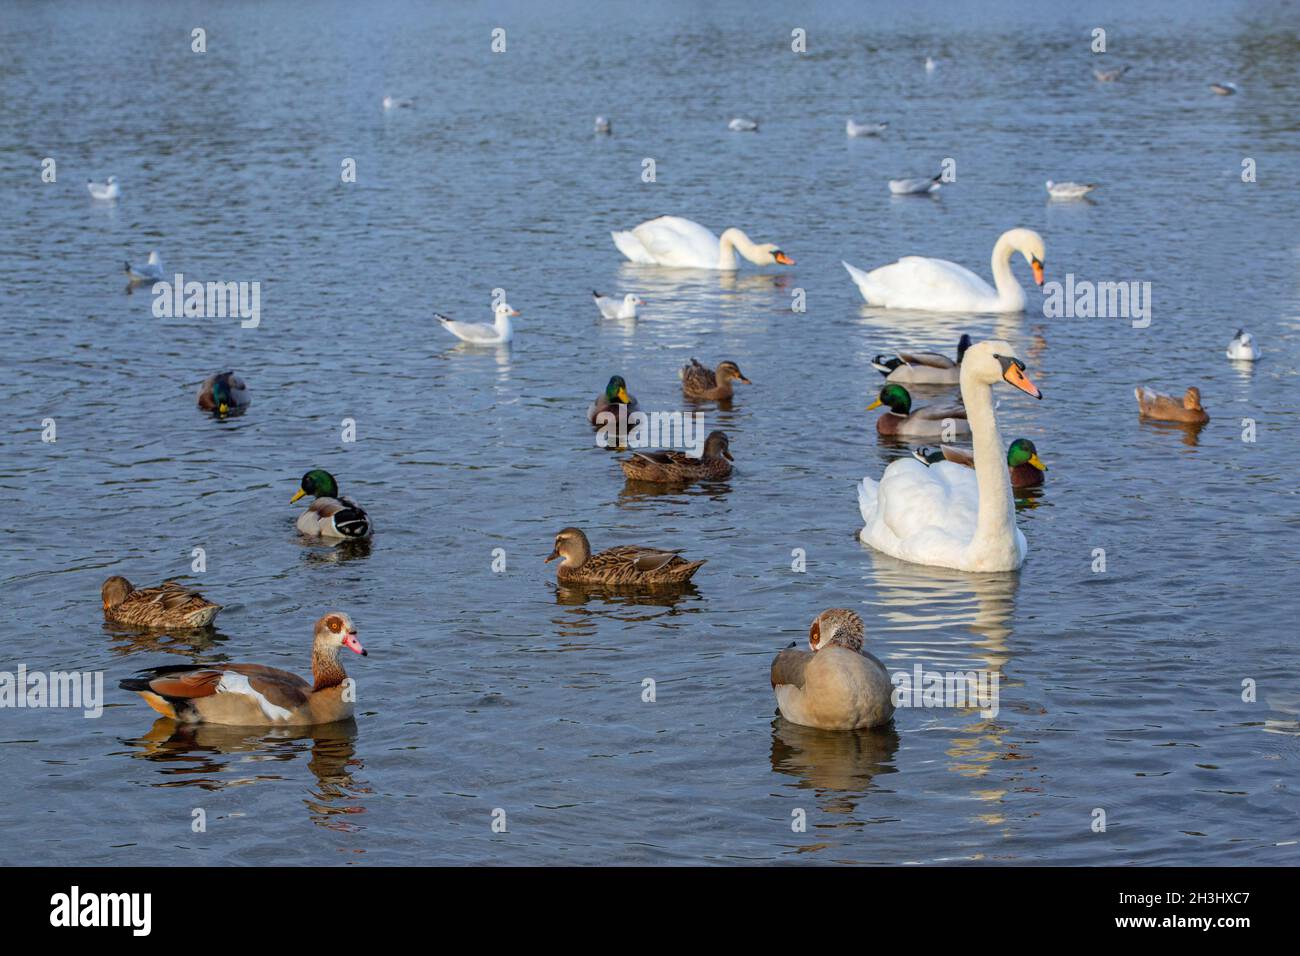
675,467
836,685
1166,408
169,605
610,400
331,515
703,385
1022,458
254,695
222,393
922,368
623,566
925,420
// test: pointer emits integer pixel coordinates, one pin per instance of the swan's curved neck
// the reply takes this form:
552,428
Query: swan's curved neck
1010,296
734,240
996,524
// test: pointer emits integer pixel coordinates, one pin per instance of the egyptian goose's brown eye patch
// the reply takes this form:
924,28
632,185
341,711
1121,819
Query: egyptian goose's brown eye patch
815,633
334,624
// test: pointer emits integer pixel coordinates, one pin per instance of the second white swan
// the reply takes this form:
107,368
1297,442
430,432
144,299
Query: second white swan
673,241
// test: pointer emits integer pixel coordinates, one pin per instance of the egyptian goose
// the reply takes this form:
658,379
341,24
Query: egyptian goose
624,566
254,695
170,605
703,384
836,685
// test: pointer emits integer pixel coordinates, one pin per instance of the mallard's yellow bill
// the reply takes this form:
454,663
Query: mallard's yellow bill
300,494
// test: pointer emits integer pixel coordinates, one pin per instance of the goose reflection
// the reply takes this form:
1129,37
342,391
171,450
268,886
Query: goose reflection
215,757
844,761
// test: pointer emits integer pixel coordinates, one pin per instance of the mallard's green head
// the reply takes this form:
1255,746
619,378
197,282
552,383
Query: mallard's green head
896,397
616,391
319,484
1023,452
221,396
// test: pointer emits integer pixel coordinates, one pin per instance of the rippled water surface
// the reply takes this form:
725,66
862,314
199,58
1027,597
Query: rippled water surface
1120,690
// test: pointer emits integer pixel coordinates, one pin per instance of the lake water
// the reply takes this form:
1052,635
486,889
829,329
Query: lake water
1120,690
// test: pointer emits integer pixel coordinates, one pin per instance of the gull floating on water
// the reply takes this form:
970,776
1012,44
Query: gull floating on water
864,129
1069,190
1243,347
480,333
914,187
611,308
1110,76
104,191
1224,89
602,125
739,125
930,64
151,271
395,103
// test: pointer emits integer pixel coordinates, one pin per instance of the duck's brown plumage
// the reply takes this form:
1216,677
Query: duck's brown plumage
703,384
675,467
1166,408
168,605
624,566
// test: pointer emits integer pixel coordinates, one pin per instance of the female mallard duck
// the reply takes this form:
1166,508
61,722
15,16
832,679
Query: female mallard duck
614,397
169,605
1022,459
701,384
623,566
223,393
925,420
922,368
836,685
331,515
254,695
1166,408
675,467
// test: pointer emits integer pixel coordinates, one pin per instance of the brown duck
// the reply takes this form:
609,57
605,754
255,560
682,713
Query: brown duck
703,385
1166,408
254,695
676,467
626,566
169,605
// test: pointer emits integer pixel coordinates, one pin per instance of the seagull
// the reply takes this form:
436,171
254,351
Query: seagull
930,64
864,129
480,333
1224,89
1069,190
394,103
1109,76
1243,347
151,271
104,191
602,125
611,308
739,125
914,187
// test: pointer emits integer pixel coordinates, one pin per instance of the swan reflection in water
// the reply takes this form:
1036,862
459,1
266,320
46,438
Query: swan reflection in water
214,757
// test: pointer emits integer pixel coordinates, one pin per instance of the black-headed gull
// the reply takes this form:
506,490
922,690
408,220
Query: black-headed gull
1069,190
104,191
480,333
864,129
914,187
1224,89
741,125
151,271
1110,76
612,308
396,103
1243,347
603,125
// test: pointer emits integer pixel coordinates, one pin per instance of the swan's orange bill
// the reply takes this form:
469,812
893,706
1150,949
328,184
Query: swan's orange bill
785,260
1015,375
1038,272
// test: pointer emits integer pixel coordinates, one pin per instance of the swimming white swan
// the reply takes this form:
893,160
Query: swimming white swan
1243,347
151,271
104,191
864,129
480,333
1069,190
915,187
946,515
938,285
673,241
612,308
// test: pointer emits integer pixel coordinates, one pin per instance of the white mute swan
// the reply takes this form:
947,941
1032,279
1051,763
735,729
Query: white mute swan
151,271
938,285
673,241
946,515
611,308
1243,347
104,191
480,333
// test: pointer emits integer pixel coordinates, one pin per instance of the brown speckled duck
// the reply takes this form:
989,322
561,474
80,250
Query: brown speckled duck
676,467
254,695
1166,408
625,566
169,605
703,385
835,685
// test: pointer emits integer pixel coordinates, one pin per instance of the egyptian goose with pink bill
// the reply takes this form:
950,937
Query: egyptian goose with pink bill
254,695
